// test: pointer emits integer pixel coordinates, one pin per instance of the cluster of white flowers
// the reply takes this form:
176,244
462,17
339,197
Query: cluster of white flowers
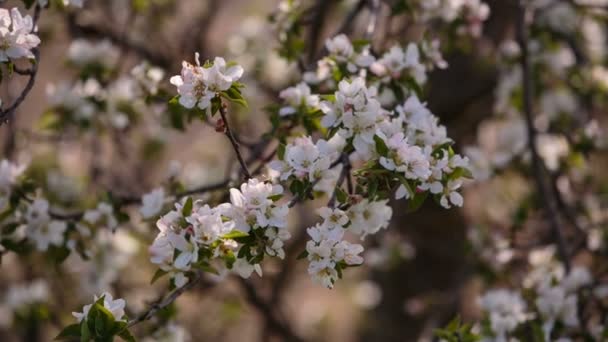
413,139
472,13
340,52
103,260
328,252
190,240
559,301
367,217
16,35
115,306
556,298
148,77
356,113
9,173
103,216
506,310
396,63
197,84
79,103
83,53
20,296
310,161
74,98
41,229
298,98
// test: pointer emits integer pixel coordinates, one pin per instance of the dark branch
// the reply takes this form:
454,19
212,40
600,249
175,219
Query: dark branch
545,193
235,144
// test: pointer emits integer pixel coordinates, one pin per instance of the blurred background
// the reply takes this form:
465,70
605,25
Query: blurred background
419,273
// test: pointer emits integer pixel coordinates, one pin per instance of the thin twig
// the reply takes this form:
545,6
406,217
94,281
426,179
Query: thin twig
172,297
235,144
545,193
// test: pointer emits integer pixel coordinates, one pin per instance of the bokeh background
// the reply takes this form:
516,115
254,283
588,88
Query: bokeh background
419,274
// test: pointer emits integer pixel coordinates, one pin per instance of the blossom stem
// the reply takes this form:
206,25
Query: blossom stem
234,142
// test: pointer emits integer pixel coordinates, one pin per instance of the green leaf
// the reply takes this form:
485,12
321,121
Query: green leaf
216,104
233,94
187,209
85,333
104,319
341,196
407,185
235,234
70,332
275,198
303,255
372,188
416,202
381,147
461,172
157,275
281,151
126,336
208,268
176,114
58,254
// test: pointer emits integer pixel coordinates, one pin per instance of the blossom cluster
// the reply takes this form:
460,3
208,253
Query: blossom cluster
308,161
197,85
409,141
16,35
328,254
468,14
554,303
327,251
95,100
234,235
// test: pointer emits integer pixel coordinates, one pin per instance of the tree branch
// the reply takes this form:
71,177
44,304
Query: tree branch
233,141
168,300
546,195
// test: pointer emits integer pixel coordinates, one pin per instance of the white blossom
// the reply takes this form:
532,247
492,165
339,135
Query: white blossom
9,173
23,295
328,253
506,311
103,215
152,203
296,97
16,35
367,217
115,306
83,52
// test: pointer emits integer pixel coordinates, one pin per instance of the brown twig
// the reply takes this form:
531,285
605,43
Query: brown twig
546,195
233,141
168,300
